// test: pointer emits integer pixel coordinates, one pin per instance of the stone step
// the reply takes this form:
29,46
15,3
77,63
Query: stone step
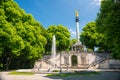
81,67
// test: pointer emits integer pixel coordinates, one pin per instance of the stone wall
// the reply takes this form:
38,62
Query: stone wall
64,59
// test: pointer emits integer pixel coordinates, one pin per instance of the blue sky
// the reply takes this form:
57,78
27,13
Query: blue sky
55,12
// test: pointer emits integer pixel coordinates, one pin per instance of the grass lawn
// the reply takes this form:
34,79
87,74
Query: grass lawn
82,73
20,73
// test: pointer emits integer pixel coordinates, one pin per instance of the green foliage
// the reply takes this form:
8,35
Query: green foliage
73,41
55,71
21,36
62,37
89,37
20,73
107,21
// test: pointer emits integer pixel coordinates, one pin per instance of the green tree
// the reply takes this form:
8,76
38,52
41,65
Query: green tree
62,37
107,21
10,42
21,36
73,41
89,36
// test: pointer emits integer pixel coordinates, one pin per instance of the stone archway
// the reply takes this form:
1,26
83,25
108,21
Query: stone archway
74,60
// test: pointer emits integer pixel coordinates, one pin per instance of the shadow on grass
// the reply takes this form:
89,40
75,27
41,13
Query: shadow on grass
83,75
75,74
64,76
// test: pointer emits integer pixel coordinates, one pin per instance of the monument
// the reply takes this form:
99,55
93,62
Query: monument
77,46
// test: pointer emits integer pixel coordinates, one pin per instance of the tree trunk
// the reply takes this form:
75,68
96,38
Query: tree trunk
8,63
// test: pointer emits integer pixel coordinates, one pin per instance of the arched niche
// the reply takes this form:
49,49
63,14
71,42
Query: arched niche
74,60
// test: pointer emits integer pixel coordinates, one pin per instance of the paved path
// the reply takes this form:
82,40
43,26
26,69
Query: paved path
5,76
112,75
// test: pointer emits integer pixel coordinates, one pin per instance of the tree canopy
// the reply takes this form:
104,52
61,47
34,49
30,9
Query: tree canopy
89,36
108,24
62,37
21,35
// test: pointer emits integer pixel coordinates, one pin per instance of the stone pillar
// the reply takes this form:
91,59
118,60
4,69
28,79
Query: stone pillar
70,61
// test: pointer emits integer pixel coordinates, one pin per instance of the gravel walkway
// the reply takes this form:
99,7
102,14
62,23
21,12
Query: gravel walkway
112,75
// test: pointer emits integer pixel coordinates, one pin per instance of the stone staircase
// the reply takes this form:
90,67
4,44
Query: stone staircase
98,62
81,66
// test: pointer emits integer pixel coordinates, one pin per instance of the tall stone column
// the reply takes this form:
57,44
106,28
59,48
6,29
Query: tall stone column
77,27
77,47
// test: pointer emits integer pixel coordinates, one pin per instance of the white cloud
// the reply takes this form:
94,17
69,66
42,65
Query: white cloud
97,2
73,33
